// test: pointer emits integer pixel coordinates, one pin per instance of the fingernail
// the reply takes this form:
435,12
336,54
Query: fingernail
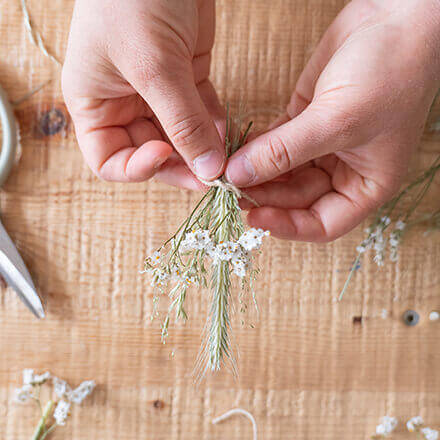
208,165
240,171
159,162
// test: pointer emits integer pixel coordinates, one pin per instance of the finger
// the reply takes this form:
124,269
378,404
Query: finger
114,136
332,215
334,37
300,191
215,109
176,102
329,218
175,172
321,129
111,155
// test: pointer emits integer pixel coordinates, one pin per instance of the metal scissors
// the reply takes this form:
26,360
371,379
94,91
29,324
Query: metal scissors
12,266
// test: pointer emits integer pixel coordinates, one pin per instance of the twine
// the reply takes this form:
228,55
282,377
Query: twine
219,183
240,411
34,36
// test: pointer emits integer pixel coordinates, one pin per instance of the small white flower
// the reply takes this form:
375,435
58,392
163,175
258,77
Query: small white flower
30,378
210,250
160,278
155,258
429,434
61,387
198,239
400,225
394,240
379,246
434,316
385,220
188,279
82,391
414,423
225,251
362,248
252,239
239,269
379,259
23,394
387,426
61,412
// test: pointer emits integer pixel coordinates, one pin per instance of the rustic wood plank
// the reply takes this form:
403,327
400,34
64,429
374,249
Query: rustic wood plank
311,368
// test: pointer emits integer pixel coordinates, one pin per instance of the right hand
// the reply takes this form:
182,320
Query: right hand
135,81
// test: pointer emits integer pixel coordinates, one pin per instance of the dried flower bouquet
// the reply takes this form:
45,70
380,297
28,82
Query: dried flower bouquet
208,250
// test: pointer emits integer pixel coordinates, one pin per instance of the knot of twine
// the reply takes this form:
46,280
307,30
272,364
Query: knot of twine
220,183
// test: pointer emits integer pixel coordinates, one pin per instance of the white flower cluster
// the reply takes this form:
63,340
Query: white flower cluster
429,434
386,427
377,241
415,424
61,389
238,253
29,380
395,239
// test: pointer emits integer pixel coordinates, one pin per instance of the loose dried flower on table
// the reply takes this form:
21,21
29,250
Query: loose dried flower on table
209,249
376,238
55,412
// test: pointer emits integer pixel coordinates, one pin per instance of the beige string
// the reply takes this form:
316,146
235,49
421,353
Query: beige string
34,36
219,183
240,411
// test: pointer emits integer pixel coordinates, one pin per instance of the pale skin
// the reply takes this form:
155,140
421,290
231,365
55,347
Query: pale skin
143,106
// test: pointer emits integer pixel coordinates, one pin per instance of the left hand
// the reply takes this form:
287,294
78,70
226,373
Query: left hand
358,111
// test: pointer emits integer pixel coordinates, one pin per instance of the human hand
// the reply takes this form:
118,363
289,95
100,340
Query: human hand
136,84
358,111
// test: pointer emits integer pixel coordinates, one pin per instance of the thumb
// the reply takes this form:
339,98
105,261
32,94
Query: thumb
176,102
317,131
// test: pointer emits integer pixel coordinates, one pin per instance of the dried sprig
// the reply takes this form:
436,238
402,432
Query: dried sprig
57,409
208,250
386,426
376,238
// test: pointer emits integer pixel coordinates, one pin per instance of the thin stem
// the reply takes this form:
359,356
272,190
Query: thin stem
188,219
48,431
41,427
37,401
352,271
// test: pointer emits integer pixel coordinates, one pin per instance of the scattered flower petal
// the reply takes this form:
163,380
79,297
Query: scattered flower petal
414,423
387,426
82,391
429,434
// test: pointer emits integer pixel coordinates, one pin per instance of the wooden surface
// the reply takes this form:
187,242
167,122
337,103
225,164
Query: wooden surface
307,369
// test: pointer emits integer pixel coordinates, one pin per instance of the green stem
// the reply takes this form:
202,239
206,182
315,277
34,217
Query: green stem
352,271
41,430
48,431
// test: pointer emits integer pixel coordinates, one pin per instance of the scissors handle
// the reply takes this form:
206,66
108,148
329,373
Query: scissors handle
9,135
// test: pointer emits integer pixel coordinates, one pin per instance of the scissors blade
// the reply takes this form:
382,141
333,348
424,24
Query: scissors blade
15,273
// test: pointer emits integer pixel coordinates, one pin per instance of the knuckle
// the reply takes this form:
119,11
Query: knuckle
279,154
379,193
187,131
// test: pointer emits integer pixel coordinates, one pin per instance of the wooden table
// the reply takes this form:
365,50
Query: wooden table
311,368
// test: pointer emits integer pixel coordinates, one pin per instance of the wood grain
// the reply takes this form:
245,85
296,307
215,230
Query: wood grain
311,368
